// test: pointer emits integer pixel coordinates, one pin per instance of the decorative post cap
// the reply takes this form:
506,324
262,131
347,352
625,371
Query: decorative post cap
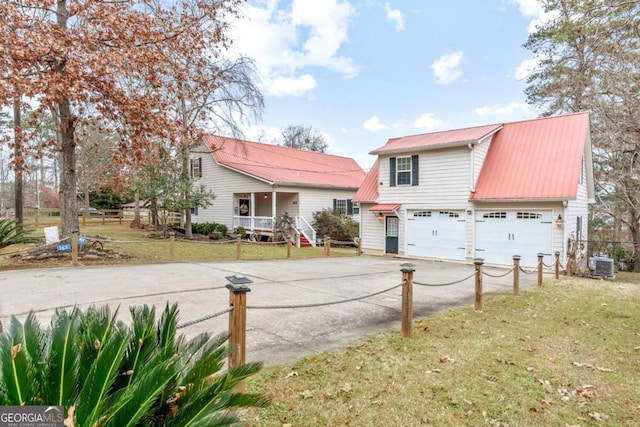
516,257
407,267
238,283
478,261
557,252
540,254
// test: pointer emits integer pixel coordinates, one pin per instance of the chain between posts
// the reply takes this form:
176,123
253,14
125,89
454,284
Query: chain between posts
445,284
202,319
498,275
274,307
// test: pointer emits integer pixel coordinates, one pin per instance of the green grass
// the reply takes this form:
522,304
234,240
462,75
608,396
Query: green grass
567,354
147,247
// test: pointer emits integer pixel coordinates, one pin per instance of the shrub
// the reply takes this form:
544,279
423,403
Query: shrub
241,231
339,226
207,228
283,228
110,374
11,233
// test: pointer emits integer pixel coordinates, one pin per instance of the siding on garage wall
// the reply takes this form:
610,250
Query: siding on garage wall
479,154
444,180
556,208
372,230
575,208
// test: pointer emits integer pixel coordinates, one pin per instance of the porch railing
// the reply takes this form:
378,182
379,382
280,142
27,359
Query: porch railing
253,222
306,229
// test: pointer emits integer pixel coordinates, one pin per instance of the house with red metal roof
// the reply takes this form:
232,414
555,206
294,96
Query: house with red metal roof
255,182
490,192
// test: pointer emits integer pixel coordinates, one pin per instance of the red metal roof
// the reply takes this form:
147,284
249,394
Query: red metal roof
368,191
437,139
283,165
385,207
535,159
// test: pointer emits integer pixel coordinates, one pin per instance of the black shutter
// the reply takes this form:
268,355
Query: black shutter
414,170
199,167
191,168
349,207
392,172
335,204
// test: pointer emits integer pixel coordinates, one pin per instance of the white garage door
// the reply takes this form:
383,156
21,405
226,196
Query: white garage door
436,234
502,234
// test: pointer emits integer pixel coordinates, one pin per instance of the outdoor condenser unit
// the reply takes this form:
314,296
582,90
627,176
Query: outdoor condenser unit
601,266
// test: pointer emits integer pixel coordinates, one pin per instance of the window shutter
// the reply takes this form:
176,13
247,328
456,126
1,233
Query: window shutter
199,167
414,170
392,172
335,204
349,207
191,168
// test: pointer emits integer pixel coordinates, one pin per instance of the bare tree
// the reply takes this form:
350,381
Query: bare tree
303,138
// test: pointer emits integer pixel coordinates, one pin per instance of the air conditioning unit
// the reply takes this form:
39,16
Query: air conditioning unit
602,266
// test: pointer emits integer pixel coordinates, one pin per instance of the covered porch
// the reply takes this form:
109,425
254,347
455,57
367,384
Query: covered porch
257,212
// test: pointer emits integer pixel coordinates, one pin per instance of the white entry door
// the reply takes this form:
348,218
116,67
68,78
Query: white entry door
436,234
502,234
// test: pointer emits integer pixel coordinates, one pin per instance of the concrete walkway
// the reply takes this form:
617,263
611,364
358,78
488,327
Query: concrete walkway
274,336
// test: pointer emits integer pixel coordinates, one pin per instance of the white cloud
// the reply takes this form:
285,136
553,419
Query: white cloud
526,67
396,16
532,9
283,42
373,124
447,68
427,121
521,109
294,86
259,133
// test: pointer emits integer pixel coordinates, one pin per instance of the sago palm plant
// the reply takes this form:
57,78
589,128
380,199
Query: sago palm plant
107,373
12,233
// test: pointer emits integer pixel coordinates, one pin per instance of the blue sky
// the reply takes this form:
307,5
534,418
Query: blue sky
364,71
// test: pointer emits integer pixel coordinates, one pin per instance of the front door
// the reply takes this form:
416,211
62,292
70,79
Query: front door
391,235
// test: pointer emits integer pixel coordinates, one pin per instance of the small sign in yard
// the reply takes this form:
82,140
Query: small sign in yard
65,247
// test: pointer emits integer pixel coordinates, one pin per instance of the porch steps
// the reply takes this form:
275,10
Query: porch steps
304,242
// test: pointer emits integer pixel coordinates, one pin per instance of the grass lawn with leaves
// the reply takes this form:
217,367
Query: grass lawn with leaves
567,354
147,247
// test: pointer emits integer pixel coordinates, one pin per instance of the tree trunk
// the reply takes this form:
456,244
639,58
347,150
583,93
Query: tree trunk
19,161
185,179
136,210
68,193
635,236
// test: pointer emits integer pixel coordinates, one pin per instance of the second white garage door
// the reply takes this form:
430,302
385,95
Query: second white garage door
502,234
436,234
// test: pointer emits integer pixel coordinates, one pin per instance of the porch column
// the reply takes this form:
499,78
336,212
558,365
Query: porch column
273,203
252,210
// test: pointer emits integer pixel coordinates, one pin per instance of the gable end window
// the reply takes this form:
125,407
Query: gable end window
403,170
195,166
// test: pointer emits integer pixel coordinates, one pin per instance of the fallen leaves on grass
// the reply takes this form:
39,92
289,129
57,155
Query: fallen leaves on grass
590,366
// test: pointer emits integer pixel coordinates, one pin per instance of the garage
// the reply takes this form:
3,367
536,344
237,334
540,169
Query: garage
436,234
500,234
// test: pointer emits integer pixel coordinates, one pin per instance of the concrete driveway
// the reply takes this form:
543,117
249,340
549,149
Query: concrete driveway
274,336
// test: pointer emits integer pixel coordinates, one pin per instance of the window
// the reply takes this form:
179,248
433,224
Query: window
346,206
445,214
196,167
529,215
403,170
422,213
495,215
194,211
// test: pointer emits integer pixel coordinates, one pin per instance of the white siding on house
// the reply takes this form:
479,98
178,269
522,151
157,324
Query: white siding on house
479,154
371,231
577,208
225,183
444,181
